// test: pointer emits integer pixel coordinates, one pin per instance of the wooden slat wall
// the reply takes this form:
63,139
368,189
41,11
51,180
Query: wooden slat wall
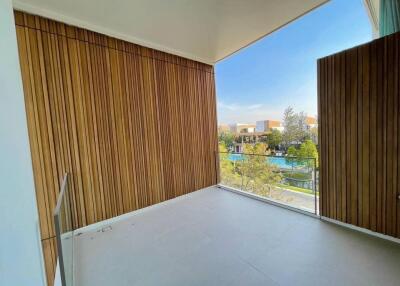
133,126
49,247
359,107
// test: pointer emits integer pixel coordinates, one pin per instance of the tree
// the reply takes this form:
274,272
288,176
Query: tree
295,127
228,138
291,157
302,129
289,125
256,174
314,134
274,139
308,150
292,151
226,166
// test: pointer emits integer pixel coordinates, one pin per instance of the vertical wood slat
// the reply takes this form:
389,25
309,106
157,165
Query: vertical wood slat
373,135
49,248
133,126
359,135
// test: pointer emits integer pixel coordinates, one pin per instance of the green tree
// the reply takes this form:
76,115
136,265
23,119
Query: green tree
228,138
292,151
226,166
308,150
291,157
256,174
274,139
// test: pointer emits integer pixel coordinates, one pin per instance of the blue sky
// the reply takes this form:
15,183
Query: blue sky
260,81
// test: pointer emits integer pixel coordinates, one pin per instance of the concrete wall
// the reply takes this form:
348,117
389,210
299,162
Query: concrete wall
21,260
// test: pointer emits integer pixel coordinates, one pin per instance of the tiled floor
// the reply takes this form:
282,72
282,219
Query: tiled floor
215,237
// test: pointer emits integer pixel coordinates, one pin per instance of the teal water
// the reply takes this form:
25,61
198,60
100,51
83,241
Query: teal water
280,162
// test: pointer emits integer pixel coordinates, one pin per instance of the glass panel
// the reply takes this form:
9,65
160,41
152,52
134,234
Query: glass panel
287,180
64,232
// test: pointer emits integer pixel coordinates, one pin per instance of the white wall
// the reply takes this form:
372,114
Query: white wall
21,261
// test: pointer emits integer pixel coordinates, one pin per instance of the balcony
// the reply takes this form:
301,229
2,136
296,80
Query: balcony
126,105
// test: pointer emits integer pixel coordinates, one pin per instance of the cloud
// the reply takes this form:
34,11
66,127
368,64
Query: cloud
250,113
234,106
231,107
254,106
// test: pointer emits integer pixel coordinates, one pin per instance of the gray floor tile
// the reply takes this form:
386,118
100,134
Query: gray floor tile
215,237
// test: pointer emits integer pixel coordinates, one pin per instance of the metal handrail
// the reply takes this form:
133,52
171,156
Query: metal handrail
266,155
61,195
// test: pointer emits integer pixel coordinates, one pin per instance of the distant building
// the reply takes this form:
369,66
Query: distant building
268,126
242,128
223,128
238,147
311,122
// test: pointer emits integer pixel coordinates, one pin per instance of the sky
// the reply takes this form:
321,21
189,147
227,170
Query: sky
280,70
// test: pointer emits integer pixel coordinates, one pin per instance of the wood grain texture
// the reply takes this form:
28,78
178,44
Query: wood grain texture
49,248
359,107
133,126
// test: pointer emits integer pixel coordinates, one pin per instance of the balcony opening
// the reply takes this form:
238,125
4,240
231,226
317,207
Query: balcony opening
267,104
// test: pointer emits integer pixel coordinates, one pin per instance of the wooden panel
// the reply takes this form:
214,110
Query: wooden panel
49,248
359,106
133,126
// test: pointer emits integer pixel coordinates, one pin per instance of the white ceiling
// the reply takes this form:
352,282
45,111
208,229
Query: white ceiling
203,30
373,13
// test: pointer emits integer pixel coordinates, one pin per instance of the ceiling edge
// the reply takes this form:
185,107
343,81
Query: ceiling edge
373,15
102,30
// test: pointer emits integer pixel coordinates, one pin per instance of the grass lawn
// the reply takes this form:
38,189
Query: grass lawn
296,189
298,176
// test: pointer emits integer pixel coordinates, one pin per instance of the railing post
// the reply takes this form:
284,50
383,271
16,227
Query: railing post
217,168
315,186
